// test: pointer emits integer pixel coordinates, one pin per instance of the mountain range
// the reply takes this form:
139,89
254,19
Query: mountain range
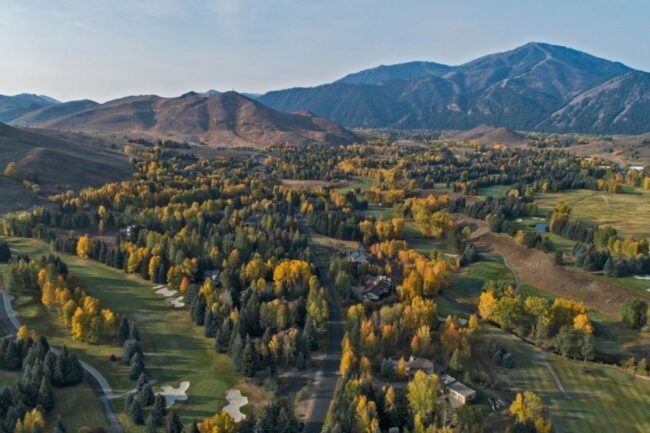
216,119
536,87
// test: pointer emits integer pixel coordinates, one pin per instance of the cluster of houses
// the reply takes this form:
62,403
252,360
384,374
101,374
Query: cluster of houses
371,288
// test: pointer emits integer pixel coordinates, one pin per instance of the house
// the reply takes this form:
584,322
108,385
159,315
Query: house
419,364
212,275
460,392
252,221
358,256
374,288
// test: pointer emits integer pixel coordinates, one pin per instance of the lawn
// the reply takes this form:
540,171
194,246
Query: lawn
379,212
596,400
528,225
467,285
627,212
175,350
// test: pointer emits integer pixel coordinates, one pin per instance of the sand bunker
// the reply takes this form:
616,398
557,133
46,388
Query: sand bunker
166,292
176,302
235,401
642,277
159,286
172,395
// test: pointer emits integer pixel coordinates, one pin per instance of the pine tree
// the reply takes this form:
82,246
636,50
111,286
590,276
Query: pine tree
223,336
45,395
123,330
236,351
134,333
151,425
248,359
211,323
194,428
309,333
136,367
136,413
173,423
130,348
159,407
197,310
128,402
146,395
142,381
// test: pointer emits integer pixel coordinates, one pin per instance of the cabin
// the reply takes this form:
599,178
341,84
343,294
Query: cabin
358,256
456,390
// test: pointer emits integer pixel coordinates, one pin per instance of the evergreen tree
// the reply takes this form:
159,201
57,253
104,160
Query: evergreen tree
309,333
142,381
173,423
123,330
45,395
197,310
236,351
159,407
134,333
146,395
136,413
137,367
151,425
211,323
248,359
5,252
130,348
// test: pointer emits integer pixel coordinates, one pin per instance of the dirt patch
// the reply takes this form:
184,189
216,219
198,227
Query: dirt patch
539,270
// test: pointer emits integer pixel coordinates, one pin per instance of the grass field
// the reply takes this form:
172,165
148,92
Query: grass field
627,212
528,225
175,350
357,182
468,284
379,212
494,191
606,399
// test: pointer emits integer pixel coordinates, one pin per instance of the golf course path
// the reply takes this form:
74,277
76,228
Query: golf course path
95,379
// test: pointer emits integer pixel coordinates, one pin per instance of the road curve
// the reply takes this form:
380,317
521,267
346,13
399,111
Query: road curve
95,379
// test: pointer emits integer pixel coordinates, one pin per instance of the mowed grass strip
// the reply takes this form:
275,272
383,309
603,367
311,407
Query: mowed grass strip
175,349
627,212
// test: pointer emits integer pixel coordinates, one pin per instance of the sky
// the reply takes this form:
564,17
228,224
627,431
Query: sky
105,49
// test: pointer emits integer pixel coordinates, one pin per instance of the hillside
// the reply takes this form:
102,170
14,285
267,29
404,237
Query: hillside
534,87
59,161
487,135
223,119
12,107
46,114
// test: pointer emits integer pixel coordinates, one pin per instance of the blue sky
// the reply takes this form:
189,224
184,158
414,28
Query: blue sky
103,49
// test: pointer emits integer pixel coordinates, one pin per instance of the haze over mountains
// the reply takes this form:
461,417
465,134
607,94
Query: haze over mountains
537,86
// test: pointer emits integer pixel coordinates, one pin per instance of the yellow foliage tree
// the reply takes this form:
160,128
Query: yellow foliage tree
85,247
486,304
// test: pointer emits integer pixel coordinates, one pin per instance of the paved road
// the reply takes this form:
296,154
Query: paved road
325,383
95,379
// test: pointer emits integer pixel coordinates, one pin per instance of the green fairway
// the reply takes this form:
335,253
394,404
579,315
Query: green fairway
595,399
379,212
468,283
358,182
175,350
627,212
494,191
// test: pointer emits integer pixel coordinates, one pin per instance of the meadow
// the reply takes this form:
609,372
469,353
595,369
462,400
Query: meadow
175,349
627,212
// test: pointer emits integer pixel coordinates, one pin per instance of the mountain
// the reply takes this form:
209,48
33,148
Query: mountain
224,119
402,71
61,160
620,105
536,86
45,114
12,107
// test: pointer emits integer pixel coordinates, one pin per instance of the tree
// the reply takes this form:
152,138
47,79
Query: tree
123,330
45,394
159,406
59,427
486,305
151,425
634,313
587,349
11,170
85,247
136,413
249,358
136,367
564,340
529,407
146,395
173,423
5,252
422,392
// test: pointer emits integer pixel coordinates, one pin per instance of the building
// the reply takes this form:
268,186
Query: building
358,256
419,364
463,394
374,288
212,275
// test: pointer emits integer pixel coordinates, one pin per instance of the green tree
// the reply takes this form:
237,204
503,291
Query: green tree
45,394
11,170
422,392
634,313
